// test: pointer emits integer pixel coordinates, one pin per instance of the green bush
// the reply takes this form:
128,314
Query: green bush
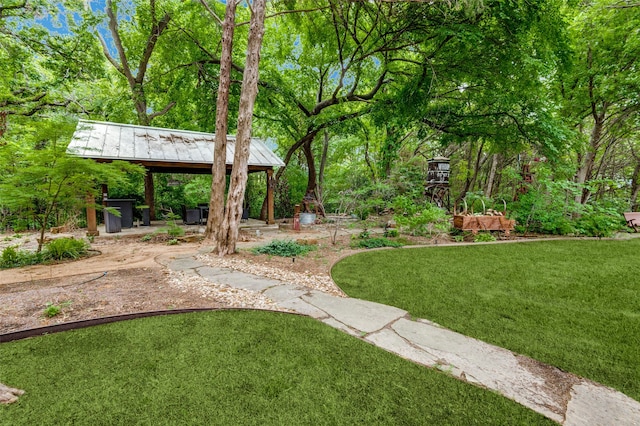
13,258
484,237
375,242
66,248
391,233
284,248
419,218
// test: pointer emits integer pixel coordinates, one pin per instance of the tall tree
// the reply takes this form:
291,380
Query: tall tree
227,229
600,91
135,72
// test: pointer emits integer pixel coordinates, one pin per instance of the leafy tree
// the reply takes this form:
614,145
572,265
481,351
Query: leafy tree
600,90
39,178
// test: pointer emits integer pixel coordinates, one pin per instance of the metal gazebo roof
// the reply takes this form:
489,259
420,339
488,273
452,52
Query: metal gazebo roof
160,150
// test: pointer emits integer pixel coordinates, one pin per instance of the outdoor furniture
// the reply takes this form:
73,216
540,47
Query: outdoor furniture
126,210
190,216
633,220
204,212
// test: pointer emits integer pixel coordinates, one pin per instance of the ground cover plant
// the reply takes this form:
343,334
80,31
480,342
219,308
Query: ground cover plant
284,248
56,250
572,304
233,367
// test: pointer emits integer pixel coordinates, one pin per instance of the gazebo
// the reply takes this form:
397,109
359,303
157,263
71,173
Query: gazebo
161,150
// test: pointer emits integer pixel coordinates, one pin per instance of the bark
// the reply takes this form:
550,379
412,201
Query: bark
470,181
587,160
312,179
233,211
323,163
219,168
492,175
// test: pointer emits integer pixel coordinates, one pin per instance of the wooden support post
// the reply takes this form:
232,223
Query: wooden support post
105,194
149,194
92,223
271,185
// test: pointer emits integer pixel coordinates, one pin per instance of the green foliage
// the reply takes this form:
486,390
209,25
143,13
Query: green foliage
65,248
484,237
598,221
391,233
56,250
197,191
549,207
173,230
14,258
173,242
419,218
40,180
284,248
375,242
52,309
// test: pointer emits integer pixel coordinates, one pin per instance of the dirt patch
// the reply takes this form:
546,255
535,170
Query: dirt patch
126,275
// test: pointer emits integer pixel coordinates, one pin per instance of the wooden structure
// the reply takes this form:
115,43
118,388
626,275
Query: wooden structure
437,185
475,223
489,220
165,151
633,220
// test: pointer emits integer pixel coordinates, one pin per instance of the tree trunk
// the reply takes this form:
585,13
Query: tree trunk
219,168
323,163
492,175
226,243
585,170
312,178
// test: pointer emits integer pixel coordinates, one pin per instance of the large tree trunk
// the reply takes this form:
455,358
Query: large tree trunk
226,243
219,168
323,163
312,178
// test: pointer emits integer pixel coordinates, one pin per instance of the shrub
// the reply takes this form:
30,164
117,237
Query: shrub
484,237
66,248
376,242
13,258
391,233
283,248
419,219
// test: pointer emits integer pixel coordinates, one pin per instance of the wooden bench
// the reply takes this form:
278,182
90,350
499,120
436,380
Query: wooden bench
633,220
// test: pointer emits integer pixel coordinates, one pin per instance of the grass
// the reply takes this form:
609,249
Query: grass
572,304
234,367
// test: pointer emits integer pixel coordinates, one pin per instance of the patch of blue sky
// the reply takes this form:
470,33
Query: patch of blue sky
55,22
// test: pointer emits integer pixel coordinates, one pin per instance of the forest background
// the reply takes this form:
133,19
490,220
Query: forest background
354,95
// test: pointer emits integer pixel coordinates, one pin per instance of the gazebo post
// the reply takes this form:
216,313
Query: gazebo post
149,194
92,223
271,183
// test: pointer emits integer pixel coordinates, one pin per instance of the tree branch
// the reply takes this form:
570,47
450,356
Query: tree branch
163,111
156,31
211,12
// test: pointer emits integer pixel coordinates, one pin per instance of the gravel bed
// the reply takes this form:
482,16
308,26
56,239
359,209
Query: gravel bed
319,282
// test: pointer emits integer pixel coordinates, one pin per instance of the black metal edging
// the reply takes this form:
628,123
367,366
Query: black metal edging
40,331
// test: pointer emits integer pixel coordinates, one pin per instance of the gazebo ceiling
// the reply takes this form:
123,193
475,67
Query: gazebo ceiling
161,150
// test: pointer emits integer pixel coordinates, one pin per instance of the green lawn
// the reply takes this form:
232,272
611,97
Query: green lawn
234,367
572,304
